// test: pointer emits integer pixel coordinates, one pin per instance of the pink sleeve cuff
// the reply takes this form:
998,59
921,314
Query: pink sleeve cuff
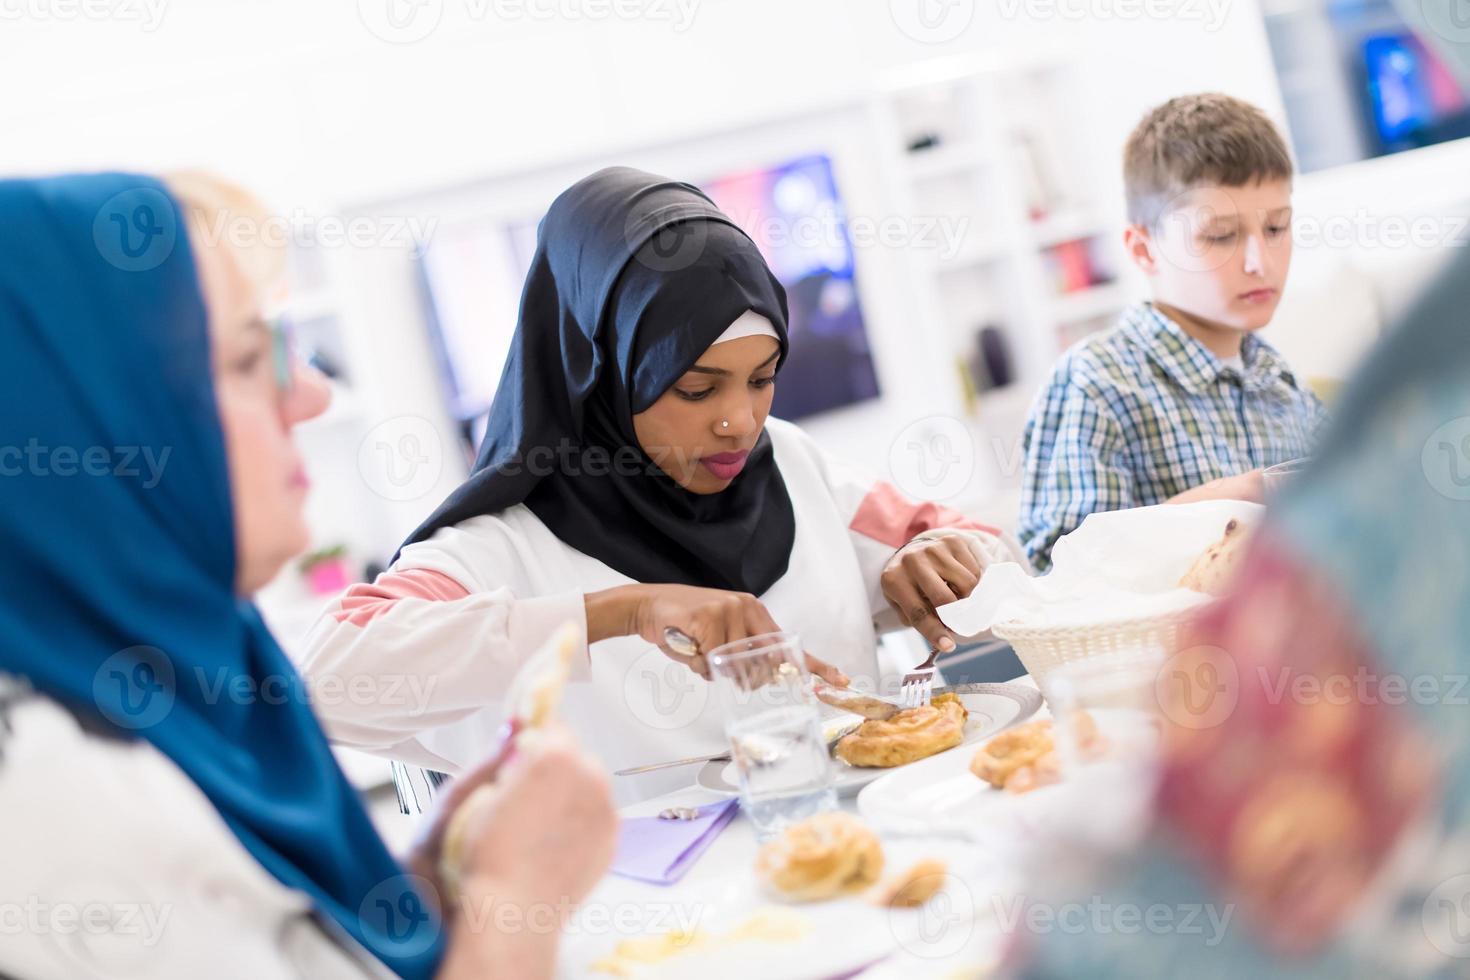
888,516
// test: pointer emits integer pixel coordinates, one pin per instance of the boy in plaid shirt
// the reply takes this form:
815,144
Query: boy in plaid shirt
1180,401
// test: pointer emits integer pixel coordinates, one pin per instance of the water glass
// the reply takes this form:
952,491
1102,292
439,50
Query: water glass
1108,738
774,724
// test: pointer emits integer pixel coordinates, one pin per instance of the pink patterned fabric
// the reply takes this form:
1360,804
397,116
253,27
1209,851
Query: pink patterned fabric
366,601
888,516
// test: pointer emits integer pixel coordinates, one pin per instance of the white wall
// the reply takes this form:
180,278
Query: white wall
304,103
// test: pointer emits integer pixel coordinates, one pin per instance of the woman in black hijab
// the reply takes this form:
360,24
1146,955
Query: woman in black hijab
629,482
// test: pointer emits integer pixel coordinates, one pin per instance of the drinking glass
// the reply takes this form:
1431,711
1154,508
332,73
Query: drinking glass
774,725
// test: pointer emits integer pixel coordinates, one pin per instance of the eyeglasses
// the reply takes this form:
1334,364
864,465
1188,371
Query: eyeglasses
283,352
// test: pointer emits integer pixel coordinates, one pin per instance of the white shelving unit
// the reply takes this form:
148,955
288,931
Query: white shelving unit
994,143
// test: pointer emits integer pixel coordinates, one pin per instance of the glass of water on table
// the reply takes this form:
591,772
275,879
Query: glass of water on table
774,725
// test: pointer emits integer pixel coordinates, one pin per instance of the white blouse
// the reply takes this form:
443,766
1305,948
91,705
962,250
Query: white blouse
113,865
414,666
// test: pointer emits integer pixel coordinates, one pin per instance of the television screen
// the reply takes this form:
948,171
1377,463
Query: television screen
1414,98
473,276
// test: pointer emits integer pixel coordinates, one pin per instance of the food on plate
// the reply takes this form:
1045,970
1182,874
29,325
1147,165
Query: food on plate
1024,758
765,925
912,887
912,734
1213,571
821,857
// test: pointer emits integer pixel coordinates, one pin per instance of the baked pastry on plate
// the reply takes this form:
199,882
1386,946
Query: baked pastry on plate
910,735
821,857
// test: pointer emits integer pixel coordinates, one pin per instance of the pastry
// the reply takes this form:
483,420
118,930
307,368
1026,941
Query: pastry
913,887
1213,571
822,857
1011,750
1025,757
912,734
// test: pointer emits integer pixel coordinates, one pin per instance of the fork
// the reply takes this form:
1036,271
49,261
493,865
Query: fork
917,687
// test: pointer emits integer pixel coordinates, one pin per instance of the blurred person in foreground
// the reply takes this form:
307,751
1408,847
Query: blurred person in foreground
172,808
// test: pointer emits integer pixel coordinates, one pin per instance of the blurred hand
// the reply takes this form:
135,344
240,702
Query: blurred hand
710,617
546,831
924,575
1249,486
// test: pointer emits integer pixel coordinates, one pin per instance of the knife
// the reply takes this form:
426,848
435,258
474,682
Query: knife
836,737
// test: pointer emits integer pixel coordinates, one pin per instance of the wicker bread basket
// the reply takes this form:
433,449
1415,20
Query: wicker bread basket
1042,649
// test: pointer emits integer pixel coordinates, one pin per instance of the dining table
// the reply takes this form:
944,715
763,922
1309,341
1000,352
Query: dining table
960,933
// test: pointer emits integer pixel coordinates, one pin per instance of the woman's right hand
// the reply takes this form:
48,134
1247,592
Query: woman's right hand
537,839
710,617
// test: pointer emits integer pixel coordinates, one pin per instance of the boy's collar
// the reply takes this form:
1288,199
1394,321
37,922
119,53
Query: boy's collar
1193,365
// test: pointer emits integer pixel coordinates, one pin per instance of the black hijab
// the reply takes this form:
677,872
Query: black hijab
634,277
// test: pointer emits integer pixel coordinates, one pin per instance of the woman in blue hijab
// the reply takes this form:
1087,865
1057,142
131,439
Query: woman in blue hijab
158,752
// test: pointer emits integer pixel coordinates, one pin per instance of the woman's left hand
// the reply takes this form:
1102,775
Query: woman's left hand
926,574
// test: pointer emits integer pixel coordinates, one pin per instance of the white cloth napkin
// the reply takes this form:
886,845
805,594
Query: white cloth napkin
1116,566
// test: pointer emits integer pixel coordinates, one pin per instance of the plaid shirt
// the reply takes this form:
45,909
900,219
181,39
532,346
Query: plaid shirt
1141,412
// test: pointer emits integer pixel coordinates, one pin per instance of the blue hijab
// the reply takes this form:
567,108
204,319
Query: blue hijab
117,531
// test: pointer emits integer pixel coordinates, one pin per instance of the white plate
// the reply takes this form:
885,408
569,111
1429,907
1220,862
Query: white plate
840,937
992,707
940,794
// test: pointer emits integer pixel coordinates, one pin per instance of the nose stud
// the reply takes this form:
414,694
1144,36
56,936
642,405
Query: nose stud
724,423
